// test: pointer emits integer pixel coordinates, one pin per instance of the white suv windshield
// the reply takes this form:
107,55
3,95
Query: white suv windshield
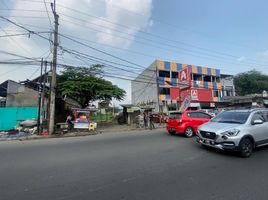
235,117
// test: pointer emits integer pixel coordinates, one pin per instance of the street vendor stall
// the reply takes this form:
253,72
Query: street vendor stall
82,118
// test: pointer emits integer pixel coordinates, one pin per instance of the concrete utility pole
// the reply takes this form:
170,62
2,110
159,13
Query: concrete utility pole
54,69
40,99
42,117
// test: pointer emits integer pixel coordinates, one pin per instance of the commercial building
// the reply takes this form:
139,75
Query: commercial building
165,85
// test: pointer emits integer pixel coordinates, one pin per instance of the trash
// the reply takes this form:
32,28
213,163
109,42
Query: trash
44,133
28,123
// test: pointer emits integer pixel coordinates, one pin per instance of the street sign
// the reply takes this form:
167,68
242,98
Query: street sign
184,78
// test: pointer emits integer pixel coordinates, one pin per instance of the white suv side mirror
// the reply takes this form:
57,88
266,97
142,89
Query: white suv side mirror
257,121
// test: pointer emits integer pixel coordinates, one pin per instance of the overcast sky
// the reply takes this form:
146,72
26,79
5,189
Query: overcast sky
230,35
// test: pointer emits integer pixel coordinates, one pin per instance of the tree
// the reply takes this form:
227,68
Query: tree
86,85
250,82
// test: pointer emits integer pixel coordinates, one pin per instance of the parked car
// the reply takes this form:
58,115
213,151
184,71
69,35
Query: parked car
236,130
186,123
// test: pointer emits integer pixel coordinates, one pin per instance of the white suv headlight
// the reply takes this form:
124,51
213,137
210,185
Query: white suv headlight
232,132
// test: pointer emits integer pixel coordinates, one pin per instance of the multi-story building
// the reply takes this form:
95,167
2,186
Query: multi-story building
161,87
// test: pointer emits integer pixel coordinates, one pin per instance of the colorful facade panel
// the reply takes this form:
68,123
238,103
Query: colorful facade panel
206,85
172,66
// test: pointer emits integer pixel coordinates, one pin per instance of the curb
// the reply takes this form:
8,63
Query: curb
103,131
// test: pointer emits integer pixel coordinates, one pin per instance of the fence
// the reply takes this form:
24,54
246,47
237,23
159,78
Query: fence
100,117
11,116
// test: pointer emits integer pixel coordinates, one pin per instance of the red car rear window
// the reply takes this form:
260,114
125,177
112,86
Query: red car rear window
175,115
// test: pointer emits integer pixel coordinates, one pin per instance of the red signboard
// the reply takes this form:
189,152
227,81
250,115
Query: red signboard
202,95
196,95
175,93
184,78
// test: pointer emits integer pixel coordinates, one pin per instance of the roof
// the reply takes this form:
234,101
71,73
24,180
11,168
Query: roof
126,105
226,75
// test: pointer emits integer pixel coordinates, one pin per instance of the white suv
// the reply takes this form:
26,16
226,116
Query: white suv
237,130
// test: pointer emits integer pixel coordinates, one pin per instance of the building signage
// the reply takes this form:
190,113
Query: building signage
184,78
130,110
194,94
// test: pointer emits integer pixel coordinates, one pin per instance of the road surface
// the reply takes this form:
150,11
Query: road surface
133,165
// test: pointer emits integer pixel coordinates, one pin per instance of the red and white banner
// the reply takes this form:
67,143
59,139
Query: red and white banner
194,94
184,78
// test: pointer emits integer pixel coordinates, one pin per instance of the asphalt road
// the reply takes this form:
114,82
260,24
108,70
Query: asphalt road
133,165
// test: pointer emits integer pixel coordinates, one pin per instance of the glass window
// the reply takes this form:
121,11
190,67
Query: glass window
235,117
258,116
164,91
197,77
174,75
193,114
175,115
163,73
215,93
204,115
265,116
207,78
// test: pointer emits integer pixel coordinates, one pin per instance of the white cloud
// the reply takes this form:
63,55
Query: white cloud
241,59
132,13
127,23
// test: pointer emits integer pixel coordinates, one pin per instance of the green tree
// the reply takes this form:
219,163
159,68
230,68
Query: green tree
85,85
250,82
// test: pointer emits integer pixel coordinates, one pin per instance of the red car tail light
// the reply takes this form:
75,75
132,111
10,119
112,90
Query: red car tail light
179,121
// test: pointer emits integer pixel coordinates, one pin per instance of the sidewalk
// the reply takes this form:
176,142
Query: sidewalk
102,129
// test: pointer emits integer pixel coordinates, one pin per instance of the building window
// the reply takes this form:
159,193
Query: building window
164,91
218,79
207,78
174,75
163,73
228,91
197,77
215,93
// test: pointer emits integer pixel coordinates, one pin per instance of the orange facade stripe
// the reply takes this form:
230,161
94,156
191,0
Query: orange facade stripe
213,72
216,99
219,86
194,69
173,66
184,65
160,64
210,86
204,70
162,97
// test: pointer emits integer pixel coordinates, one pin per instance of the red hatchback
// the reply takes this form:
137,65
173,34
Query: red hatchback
186,123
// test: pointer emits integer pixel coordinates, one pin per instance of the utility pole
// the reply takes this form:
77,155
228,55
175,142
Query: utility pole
39,99
54,70
42,117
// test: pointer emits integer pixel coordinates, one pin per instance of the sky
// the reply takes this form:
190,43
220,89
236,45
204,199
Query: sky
230,35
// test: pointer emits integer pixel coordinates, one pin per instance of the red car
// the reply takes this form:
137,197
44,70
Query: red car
186,123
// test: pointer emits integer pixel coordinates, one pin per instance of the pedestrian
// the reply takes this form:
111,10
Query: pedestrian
145,119
69,122
151,121
160,119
